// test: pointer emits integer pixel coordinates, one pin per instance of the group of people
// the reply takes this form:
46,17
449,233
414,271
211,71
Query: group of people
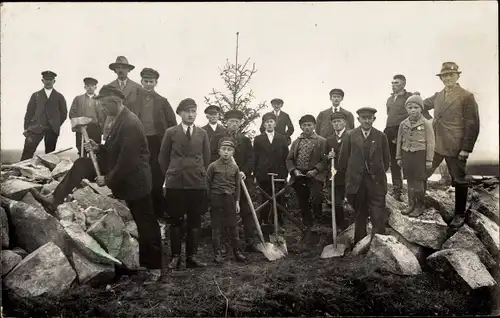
205,168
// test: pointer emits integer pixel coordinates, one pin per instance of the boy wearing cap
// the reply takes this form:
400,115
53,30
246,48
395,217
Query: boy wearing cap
307,166
86,105
414,153
283,124
364,155
184,159
270,151
45,114
223,178
323,121
213,127
334,143
156,116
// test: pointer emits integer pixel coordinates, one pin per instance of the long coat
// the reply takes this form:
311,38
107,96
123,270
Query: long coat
324,126
218,130
284,126
54,107
243,154
270,157
127,158
335,143
317,158
87,107
456,122
184,162
163,114
353,159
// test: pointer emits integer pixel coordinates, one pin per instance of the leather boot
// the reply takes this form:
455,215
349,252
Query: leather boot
460,205
175,247
191,249
48,202
217,246
411,202
238,256
419,207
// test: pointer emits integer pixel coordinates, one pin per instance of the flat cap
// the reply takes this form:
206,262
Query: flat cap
186,104
307,119
110,90
227,141
90,81
338,115
364,110
212,109
48,75
337,91
150,73
276,101
268,116
234,113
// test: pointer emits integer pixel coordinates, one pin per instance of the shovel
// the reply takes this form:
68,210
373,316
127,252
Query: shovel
333,250
275,238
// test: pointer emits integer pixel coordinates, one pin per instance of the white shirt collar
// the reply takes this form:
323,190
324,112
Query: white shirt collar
270,133
366,132
333,108
341,132
277,113
214,126
185,127
90,96
48,91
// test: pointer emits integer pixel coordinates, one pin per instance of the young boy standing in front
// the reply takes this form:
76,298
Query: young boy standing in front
223,177
414,153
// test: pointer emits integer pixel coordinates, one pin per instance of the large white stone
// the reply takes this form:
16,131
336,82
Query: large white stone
129,252
71,212
49,187
37,173
417,250
443,201
486,230
131,228
108,232
49,160
30,199
362,246
16,189
92,215
9,261
91,273
486,201
86,197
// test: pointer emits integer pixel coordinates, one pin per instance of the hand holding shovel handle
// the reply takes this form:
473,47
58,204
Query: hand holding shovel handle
93,157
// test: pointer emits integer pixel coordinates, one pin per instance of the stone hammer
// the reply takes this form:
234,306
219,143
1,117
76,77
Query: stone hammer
81,123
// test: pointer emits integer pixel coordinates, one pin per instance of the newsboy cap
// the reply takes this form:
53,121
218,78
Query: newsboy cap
337,91
110,90
234,113
268,116
227,141
212,109
307,119
150,73
90,81
276,101
365,110
449,67
48,75
338,115
186,104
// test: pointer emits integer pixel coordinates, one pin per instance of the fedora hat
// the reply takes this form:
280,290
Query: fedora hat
449,67
121,61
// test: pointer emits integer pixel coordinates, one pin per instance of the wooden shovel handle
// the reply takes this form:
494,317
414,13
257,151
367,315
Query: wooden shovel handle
93,157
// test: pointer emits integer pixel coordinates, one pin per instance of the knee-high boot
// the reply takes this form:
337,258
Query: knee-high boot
175,247
460,205
191,250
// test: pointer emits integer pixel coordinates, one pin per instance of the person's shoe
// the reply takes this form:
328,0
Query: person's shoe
152,276
192,262
47,202
239,257
457,221
218,258
419,205
175,262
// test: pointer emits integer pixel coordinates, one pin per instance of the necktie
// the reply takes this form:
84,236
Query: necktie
122,85
336,109
188,133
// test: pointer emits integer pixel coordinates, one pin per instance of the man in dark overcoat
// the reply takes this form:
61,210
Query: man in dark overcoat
284,124
213,127
270,151
456,127
45,114
124,161
324,126
364,156
184,159
156,116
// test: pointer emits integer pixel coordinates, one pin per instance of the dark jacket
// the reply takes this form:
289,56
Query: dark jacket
243,154
163,114
184,162
317,159
284,126
335,143
87,107
270,157
54,108
324,126
396,109
354,160
126,155
219,130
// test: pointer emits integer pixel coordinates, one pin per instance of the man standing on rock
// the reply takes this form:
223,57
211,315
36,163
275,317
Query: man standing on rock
184,159
284,125
324,126
456,127
213,127
124,160
396,113
156,116
45,114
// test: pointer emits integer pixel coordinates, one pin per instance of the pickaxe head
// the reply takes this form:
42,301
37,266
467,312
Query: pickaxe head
78,122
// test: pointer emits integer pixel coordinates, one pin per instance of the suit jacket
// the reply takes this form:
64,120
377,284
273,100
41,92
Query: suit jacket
130,91
243,154
184,162
284,126
353,160
163,114
87,108
335,143
54,108
317,159
219,130
126,154
456,122
270,157
324,126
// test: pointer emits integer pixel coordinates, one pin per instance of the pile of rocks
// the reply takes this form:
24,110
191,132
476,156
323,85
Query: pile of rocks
470,253
81,243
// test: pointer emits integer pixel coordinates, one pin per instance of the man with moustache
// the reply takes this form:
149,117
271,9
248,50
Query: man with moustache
324,126
45,114
156,116
284,125
213,127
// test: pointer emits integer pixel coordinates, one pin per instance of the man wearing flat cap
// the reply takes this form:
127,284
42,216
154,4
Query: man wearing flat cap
270,151
156,116
86,105
364,156
284,124
45,114
124,161
323,121
456,127
213,127
184,159
307,166
244,159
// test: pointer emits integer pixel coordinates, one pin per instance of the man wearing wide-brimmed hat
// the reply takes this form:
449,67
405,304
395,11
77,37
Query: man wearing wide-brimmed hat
456,127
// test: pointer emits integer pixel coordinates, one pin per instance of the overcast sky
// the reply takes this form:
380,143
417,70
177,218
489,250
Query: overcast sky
301,50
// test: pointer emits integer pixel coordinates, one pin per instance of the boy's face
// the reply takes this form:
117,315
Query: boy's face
233,124
149,84
213,117
366,121
307,128
336,99
270,124
414,110
188,116
226,152
90,89
338,124
277,106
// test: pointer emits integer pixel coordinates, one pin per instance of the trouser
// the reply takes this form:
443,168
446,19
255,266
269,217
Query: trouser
94,132
150,247
190,203
246,215
369,201
339,193
266,215
223,220
154,143
397,180
308,189
32,141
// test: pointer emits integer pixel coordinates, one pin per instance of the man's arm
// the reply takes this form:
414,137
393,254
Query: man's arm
165,149
429,102
237,181
290,129
248,166
322,164
430,141
214,147
73,110
319,119
63,109
385,152
400,140
350,119
290,159
206,149
345,151
169,114
256,154
471,123
30,111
